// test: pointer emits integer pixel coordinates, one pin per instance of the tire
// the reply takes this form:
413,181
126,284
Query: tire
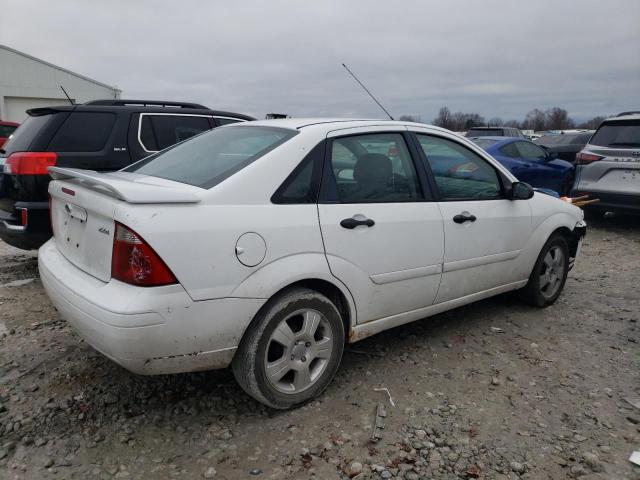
292,349
549,273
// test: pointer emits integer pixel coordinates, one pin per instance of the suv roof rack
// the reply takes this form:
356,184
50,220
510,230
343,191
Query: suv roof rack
634,112
144,103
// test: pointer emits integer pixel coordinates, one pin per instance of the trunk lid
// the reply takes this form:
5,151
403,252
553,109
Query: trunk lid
84,205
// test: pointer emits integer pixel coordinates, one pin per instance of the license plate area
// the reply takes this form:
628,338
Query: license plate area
76,224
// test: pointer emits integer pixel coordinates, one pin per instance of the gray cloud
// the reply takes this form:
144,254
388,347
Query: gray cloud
494,57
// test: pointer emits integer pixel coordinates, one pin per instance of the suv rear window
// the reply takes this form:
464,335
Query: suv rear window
211,157
23,137
617,134
83,132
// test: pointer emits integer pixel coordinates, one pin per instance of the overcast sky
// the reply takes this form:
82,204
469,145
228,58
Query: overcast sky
498,58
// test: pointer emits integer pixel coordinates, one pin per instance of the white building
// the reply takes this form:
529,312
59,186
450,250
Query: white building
28,82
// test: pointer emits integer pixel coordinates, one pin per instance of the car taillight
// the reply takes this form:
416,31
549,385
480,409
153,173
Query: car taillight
585,158
133,261
30,163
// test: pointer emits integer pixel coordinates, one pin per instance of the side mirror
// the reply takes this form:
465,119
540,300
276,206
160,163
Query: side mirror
520,191
552,156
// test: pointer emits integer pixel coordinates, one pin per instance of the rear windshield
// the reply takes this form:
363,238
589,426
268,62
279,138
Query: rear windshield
617,134
25,134
209,158
484,133
484,142
6,130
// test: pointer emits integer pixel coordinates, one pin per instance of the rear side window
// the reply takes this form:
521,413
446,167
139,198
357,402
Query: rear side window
208,159
303,184
25,134
618,134
83,132
158,132
510,150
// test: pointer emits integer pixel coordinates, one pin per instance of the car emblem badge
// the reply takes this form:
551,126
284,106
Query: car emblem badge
104,230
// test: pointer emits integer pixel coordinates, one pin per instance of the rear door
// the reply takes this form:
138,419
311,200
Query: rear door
382,234
484,231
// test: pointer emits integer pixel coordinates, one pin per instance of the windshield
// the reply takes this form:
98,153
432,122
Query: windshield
484,142
207,159
617,134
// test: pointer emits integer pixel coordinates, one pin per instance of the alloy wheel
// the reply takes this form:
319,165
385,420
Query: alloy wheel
552,273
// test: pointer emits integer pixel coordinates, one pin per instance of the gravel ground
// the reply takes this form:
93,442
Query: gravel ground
494,390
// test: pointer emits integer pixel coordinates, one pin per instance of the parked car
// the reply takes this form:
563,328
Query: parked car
6,130
494,132
101,135
609,166
530,163
566,145
269,245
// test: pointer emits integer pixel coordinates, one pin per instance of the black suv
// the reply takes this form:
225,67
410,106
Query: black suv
101,135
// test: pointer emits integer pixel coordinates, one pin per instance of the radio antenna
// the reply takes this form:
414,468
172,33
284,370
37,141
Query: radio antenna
367,90
67,95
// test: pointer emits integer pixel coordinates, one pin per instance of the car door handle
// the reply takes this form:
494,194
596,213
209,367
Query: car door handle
464,217
352,223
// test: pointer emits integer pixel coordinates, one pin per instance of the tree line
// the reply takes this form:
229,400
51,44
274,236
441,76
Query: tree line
555,118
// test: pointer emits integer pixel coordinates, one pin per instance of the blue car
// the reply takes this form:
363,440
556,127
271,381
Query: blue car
529,162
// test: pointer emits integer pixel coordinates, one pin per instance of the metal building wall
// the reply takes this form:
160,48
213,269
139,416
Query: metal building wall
28,82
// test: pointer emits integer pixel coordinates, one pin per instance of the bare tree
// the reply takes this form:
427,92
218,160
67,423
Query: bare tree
443,119
512,123
592,123
495,122
535,120
558,119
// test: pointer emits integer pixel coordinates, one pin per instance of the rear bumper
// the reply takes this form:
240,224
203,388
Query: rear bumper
146,330
30,236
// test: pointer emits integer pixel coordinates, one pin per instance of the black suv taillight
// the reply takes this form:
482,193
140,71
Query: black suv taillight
30,163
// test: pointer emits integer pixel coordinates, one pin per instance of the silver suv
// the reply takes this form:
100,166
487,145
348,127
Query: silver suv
608,167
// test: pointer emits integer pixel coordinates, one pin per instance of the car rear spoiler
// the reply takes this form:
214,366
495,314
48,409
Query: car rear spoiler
117,185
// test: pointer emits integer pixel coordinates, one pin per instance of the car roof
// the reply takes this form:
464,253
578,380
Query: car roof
497,139
623,117
97,107
335,123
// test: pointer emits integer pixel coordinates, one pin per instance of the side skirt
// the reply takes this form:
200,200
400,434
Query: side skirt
367,329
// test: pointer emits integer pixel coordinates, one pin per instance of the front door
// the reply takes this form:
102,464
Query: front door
484,231
383,235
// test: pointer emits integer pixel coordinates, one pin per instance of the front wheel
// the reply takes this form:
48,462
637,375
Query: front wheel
292,349
549,273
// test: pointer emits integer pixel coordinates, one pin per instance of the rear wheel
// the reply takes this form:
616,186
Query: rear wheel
549,273
292,349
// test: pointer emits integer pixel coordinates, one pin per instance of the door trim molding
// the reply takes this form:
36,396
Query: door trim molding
476,262
399,275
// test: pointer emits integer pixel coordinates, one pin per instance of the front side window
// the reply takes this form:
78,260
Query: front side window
374,168
210,158
530,151
158,132
510,150
83,132
460,174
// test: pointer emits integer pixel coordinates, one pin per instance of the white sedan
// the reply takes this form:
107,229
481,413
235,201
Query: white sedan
269,245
